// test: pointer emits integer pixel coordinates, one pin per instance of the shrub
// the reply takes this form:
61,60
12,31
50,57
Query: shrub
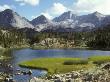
72,62
100,59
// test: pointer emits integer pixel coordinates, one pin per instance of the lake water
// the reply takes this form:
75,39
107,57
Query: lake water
28,54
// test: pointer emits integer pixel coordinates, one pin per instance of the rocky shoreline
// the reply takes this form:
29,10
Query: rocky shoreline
97,74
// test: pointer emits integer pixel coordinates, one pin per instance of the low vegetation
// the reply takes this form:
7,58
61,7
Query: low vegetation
75,62
55,65
64,65
99,59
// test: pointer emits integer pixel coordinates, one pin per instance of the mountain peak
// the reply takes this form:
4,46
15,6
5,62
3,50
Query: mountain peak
9,18
7,10
42,17
98,14
40,20
65,16
68,12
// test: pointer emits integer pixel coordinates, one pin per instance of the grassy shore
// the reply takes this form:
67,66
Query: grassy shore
99,59
63,65
55,65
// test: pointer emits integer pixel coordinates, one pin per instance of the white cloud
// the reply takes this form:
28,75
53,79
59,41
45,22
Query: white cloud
80,7
30,2
33,17
102,6
3,7
57,9
22,4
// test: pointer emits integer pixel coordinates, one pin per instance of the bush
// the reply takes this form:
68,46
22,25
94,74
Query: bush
70,62
99,62
100,59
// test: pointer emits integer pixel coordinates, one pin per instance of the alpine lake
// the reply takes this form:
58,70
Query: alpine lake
14,56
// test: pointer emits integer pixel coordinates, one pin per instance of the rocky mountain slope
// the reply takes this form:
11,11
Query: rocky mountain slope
72,22
9,18
66,22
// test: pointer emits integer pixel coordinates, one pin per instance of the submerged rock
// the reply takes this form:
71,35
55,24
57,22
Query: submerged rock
30,72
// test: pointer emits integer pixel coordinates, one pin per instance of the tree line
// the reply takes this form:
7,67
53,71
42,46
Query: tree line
99,38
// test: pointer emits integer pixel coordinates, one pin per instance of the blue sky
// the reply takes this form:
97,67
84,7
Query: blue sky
51,8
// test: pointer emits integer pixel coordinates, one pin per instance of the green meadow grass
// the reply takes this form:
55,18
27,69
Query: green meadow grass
55,65
64,65
99,59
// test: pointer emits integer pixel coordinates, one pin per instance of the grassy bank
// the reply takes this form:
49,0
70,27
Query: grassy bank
55,65
99,59
63,65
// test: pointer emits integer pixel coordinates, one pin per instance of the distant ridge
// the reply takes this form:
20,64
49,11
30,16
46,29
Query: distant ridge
68,21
